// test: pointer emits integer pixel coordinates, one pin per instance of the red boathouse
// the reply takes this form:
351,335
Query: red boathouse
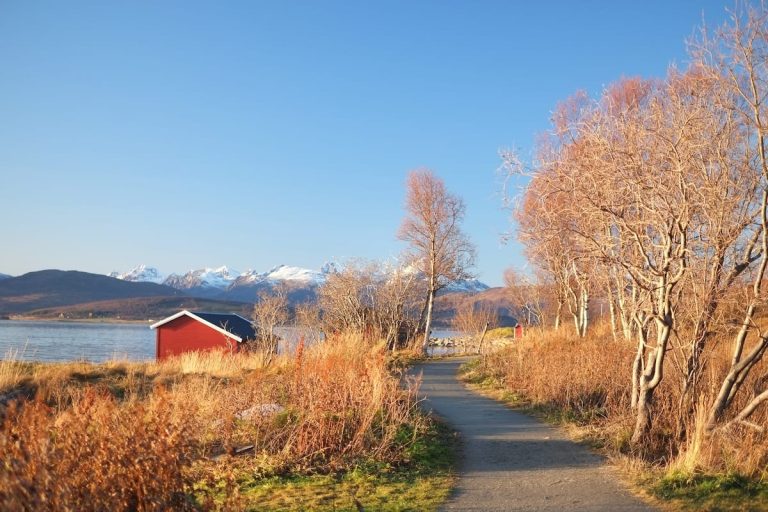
188,331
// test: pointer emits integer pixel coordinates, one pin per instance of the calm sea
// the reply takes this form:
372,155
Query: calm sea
67,341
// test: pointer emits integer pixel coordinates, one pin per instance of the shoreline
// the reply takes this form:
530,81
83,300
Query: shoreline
22,318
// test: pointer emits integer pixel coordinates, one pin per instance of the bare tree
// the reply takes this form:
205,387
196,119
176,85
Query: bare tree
270,311
370,298
474,319
537,300
656,194
739,54
307,319
346,299
545,226
619,193
438,247
398,293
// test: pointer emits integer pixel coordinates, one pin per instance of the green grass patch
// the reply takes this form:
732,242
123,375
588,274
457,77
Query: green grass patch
729,492
473,372
500,332
422,483
404,359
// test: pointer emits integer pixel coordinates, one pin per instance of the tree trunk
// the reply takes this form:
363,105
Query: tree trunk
417,328
482,337
643,419
558,315
612,309
637,368
626,315
650,379
428,321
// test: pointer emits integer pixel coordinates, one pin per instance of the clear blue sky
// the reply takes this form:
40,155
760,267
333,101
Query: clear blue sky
185,134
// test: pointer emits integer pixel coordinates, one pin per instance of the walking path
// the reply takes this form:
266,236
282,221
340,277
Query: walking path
513,462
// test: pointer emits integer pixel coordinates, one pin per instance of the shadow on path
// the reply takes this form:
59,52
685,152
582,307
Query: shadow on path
513,462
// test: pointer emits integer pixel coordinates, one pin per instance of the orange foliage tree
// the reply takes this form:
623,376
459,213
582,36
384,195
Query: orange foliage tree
438,248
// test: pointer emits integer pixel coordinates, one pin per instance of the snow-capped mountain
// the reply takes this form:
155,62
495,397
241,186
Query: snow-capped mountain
462,286
285,274
466,286
142,273
217,278
226,283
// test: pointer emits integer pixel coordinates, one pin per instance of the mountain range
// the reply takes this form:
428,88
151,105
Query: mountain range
228,284
225,283
144,292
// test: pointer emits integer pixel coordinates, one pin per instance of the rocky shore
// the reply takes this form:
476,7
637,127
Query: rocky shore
468,342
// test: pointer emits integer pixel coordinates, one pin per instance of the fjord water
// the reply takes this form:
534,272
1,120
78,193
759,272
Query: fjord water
97,342
67,341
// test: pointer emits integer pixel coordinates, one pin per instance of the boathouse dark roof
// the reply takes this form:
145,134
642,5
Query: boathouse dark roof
228,323
237,325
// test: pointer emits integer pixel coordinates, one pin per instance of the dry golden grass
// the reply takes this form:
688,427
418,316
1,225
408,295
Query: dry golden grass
12,371
149,436
217,364
97,454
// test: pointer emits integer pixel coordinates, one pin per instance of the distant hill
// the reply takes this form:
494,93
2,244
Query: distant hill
145,308
497,299
55,288
155,308
4,276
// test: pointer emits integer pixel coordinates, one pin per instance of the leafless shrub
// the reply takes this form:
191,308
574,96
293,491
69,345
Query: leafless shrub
473,318
269,312
376,300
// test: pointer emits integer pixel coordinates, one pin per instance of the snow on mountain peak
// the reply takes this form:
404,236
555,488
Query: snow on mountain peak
249,276
224,278
142,273
467,286
220,277
287,273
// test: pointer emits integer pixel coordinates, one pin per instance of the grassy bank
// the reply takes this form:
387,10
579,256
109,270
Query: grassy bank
584,386
328,428
422,481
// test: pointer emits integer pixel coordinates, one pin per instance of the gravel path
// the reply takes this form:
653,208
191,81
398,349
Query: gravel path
513,462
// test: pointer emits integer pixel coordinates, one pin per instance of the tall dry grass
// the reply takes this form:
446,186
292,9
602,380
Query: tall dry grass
149,436
95,455
587,381
12,370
